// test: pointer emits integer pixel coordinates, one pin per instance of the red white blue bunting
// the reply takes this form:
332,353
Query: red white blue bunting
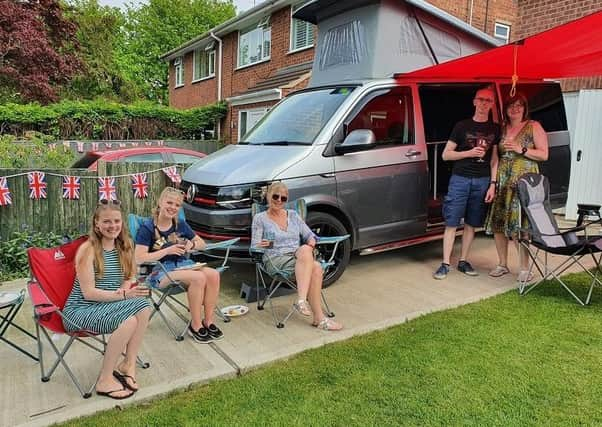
37,185
107,189
173,174
71,187
140,185
5,197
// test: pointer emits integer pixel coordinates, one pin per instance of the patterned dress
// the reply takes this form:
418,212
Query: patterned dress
504,213
102,317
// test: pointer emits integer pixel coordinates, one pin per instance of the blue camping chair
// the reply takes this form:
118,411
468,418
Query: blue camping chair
282,278
167,294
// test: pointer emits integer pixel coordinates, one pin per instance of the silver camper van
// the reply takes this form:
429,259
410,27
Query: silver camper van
363,151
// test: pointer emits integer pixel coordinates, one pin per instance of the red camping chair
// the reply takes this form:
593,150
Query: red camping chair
52,277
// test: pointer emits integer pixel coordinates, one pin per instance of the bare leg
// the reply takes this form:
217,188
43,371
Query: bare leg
315,289
467,238
128,365
449,236
523,256
116,344
303,270
195,292
501,246
211,294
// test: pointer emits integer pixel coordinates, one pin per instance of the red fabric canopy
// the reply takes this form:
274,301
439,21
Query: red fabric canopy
570,50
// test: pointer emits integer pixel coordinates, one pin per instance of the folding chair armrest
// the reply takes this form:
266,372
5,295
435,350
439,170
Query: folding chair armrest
256,254
331,239
40,301
226,244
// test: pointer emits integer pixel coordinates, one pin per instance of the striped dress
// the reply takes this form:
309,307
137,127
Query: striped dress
102,317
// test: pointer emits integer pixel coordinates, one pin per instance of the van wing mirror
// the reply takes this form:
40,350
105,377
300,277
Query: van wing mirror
357,140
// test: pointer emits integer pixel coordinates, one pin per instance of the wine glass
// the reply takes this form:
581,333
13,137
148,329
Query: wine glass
269,236
484,144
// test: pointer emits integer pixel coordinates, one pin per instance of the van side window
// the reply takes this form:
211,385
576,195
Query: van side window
389,114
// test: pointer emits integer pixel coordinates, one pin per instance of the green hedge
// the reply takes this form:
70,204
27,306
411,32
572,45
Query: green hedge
108,120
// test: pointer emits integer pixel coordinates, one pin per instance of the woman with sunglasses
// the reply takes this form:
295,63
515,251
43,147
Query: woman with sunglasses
280,231
167,239
104,301
524,144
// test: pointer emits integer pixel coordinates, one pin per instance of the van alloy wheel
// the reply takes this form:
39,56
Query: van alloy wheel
324,224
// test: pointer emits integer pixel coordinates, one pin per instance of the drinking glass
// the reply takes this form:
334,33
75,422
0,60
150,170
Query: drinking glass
269,236
483,143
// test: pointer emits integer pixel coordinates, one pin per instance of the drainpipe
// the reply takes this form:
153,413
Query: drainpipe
219,78
470,15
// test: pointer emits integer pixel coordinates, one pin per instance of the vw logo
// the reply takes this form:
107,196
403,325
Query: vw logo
190,193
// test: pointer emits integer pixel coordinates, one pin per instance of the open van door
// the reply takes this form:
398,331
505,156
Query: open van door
382,183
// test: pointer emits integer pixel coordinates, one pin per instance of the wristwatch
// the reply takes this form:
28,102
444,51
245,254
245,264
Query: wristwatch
524,151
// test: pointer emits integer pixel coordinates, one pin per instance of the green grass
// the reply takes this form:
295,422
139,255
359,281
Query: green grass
509,360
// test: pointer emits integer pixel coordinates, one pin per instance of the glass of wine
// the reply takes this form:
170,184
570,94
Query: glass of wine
484,144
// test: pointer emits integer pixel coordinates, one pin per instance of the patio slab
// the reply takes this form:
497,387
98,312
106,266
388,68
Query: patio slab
375,292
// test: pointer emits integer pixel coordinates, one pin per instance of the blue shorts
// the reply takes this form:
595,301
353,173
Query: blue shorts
158,273
465,199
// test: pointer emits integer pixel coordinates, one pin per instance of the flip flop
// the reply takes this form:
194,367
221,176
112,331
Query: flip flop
112,396
123,379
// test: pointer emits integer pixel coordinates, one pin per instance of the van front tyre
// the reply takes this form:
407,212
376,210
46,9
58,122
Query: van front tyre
324,224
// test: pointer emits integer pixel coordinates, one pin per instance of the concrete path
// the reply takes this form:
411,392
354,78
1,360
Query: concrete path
375,292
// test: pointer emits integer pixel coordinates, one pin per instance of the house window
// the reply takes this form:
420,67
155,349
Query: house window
502,32
179,71
254,44
247,119
302,32
204,64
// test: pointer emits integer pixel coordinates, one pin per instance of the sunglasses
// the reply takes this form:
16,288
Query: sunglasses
173,190
276,197
109,202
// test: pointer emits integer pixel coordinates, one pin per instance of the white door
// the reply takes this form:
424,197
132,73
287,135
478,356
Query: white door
586,153
249,118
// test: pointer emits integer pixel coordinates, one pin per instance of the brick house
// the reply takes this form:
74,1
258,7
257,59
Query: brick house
284,51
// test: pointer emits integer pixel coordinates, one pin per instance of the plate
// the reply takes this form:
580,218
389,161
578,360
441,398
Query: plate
8,298
195,266
235,310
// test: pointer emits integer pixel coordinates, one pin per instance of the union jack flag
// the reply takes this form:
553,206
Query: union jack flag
135,144
80,147
160,143
5,197
140,185
122,145
108,144
95,146
107,189
71,186
37,185
52,146
173,174
148,143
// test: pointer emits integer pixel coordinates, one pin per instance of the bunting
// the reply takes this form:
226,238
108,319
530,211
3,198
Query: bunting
37,185
107,189
173,174
71,186
5,197
140,185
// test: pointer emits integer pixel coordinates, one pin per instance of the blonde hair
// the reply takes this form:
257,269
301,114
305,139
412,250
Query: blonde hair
274,187
123,243
167,191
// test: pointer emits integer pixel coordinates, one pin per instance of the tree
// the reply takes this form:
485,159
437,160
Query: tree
160,26
37,45
100,31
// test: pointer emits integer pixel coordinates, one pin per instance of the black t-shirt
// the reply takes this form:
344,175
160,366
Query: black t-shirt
466,134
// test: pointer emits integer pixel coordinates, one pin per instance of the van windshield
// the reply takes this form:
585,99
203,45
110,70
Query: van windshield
298,119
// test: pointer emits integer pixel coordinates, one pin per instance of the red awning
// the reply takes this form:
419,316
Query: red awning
570,50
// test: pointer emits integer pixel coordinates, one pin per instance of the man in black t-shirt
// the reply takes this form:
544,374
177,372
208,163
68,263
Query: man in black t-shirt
472,146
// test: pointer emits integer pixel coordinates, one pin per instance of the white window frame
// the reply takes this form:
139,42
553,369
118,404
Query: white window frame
178,66
266,36
294,23
210,65
262,110
501,25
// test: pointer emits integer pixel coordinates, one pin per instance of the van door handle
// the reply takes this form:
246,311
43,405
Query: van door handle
412,153
327,175
579,155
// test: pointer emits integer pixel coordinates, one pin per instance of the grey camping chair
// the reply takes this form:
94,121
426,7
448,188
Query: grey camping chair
544,237
269,285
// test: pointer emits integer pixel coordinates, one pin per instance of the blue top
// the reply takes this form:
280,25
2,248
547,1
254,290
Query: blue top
285,241
154,239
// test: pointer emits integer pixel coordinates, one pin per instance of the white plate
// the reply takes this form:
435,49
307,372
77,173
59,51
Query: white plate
235,310
195,266
8,297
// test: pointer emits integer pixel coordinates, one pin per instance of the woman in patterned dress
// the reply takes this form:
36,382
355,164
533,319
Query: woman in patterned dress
524,144
103,299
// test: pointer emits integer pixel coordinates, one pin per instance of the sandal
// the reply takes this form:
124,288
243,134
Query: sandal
302,307
123,379
327,324
114,396
524,276
499,271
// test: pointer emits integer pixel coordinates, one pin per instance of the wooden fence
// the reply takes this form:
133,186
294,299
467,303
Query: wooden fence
63,216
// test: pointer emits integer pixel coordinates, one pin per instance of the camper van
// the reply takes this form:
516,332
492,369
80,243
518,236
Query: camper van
362,150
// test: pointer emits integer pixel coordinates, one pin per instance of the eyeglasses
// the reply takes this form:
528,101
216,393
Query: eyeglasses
107,202
484,100
173,190
276,197
516,105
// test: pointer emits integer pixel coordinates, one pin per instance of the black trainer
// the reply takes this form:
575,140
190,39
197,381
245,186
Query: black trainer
214,332
201,336
466,268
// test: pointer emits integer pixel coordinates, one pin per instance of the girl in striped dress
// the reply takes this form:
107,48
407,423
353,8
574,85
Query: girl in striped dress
103,301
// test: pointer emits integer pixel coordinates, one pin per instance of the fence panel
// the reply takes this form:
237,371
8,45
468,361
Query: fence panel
63,216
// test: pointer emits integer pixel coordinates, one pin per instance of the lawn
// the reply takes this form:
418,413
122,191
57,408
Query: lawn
508,360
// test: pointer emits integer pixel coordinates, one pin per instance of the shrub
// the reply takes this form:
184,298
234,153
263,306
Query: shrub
33,153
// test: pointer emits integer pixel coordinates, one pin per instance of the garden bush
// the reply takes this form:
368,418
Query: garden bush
33,153
108,120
